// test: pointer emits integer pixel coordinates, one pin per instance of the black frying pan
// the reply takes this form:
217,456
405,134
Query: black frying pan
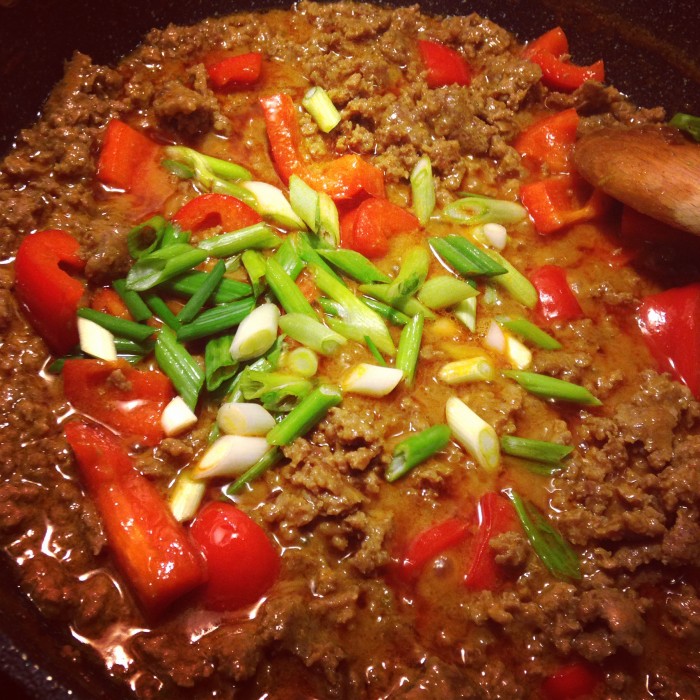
650,52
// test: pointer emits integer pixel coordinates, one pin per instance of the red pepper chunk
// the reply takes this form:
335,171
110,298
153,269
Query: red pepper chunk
131,405
555,203
49,295
232,71
550,141
670,325
130,161
283,134
496,515
345,177
444,65
431,542
150,547
241,561
546,52
368,228
109,302
575,680
556,301
209,210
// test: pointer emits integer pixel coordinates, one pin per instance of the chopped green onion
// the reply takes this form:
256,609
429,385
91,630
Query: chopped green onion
519,286
255,265
185,496
328,220
177,417
529,331
276,391
270,202
159,267
398,318
125,346
230,455
412,273
470,369
414,450
136,305
355,265
375,351
200,297
409,307
358,319
184,172
473,209
268,460
96,341
256,333
311,333
371,380
219,366
174,235
161,310
226,291
423,189
467,260
146,237
288,258
301,361
286,291
237,418
442,291
184,371
307,249
553,550
330,307
688,123
535,450
258,236
465,312
207,168
307,414
118,326
409,348
477,437
305,202
551,388
234,189
319,105
216,320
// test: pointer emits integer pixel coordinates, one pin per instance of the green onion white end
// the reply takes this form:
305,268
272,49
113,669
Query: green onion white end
271,203
477,437
318,104
185,496
256,333
244,419
465,312
230,455
492,235
96,341
177,417
301,361
371,380
471,369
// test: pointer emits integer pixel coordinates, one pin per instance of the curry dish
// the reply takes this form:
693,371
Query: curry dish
326,376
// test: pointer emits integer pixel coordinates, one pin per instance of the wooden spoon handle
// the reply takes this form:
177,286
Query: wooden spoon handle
652,169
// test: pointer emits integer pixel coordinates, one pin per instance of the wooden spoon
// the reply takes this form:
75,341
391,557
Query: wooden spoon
653,169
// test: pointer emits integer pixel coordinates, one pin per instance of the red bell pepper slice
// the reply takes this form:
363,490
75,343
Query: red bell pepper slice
562,75
444,65
550,141
150,547
209,210
546,52
132,406
242,562
368,228
670,325
554,41
283,134
556,301
428,544
109,302
496,515
555,203
345,177
232,71
130,161
575,680
48,294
